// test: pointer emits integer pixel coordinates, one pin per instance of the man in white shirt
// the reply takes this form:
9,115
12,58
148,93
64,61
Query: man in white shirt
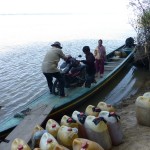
50,66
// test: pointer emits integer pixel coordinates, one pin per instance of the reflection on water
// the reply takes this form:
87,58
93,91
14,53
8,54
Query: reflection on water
123,86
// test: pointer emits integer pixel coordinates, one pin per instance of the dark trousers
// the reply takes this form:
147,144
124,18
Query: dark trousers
58,76
89,79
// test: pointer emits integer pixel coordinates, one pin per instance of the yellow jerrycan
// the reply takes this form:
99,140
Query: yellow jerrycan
97,131
92,110
47,142
60,147
68,121
37,128
143,110
52,127
19,144
85,144
114,126
37,133
106,107
56,147
66,135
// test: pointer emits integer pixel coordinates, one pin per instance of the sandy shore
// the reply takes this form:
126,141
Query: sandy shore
136,137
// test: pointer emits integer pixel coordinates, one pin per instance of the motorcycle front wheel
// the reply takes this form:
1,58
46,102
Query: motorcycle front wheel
56,88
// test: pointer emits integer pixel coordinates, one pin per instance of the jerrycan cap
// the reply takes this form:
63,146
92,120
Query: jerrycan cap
98,119
49,140
109,105
20,147
71,120
84,146
96,109
81,117
113,114
53,125
81,113
69,129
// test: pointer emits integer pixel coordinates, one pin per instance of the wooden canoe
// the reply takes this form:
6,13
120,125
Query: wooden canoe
77,95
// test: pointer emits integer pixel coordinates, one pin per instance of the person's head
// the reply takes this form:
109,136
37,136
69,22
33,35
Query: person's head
100,42
68,58
86,49
57,45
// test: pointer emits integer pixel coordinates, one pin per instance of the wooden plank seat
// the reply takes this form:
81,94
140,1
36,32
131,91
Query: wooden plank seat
113,64
109,62
115,58
109,67
25,128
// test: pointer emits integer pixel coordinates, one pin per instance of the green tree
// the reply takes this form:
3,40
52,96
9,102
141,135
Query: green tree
141,19
141,23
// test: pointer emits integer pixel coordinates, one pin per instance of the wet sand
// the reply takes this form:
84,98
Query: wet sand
136,137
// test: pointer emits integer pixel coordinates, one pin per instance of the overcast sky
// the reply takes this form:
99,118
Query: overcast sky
63,6
75,18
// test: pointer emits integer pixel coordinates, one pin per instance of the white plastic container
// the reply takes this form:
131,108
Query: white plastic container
92,110
66,135
19,144
114,126
143,110
97,130
47,142
52,127
80,117
85,144
105,107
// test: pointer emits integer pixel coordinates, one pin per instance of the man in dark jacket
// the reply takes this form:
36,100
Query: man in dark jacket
90,66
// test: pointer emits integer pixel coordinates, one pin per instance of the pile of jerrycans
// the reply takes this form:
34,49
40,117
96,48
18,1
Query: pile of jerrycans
97,128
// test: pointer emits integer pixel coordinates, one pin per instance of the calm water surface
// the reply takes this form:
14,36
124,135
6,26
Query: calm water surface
24,40
21,78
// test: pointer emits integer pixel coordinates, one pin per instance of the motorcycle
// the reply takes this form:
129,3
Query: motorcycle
73,72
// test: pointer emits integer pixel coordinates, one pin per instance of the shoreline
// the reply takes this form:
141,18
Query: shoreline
135,136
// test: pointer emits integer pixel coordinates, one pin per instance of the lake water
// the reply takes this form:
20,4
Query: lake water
24,42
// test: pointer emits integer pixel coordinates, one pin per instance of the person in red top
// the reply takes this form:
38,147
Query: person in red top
100,57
